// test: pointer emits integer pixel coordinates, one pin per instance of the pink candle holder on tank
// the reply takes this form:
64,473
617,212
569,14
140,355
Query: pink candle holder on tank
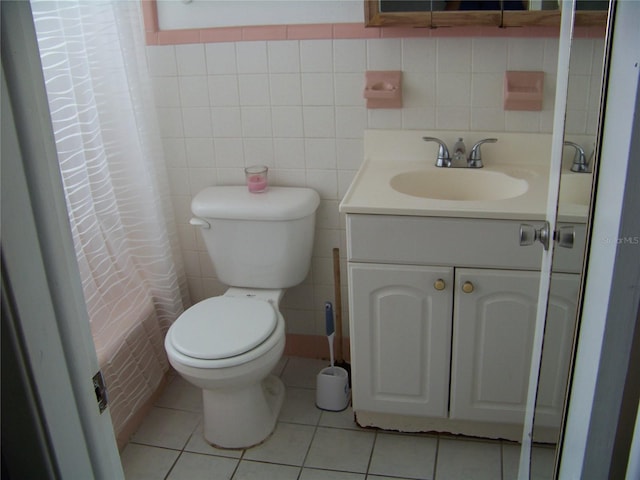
257,178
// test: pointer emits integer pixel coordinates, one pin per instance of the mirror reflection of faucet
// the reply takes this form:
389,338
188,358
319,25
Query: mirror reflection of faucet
444,157
580,163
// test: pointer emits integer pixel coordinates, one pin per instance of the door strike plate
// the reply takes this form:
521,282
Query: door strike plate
100,389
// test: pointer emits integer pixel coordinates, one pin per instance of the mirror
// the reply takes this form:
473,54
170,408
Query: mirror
582,115
498,13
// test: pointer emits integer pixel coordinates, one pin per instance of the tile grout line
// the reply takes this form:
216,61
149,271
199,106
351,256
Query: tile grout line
435,460
181,451
314,430
173,465
501,460
306,455
373,447
235,470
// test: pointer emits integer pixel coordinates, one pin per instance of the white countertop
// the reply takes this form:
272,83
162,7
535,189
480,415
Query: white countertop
390,152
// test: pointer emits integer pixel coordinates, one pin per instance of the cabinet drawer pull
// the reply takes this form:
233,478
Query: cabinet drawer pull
439,284
467,287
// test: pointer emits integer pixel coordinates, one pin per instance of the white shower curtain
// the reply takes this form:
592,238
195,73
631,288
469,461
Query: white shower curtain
116,189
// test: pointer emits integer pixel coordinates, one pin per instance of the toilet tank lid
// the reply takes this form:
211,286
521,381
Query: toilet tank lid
236,202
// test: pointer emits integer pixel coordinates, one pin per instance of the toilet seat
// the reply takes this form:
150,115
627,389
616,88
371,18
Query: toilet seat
223,327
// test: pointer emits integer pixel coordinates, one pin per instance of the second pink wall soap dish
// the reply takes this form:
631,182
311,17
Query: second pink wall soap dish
383,89
523,90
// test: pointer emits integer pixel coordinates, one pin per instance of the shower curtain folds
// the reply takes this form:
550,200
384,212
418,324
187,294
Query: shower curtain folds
116,189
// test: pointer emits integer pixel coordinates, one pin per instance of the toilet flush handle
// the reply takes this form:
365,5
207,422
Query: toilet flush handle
198,222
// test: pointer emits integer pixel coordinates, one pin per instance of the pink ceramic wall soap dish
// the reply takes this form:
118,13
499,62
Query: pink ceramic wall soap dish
523,90
383,89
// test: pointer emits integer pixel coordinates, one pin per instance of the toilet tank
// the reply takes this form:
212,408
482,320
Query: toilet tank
258,240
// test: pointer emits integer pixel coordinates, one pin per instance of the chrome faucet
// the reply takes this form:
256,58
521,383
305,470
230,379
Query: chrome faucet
444,159
475,156
580,163
459,151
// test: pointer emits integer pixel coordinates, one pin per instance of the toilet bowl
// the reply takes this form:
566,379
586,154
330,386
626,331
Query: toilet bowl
228,346
259,245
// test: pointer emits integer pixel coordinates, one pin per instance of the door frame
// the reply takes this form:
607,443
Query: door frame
596,412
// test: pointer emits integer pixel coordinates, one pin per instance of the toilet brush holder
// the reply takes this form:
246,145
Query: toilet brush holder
332,389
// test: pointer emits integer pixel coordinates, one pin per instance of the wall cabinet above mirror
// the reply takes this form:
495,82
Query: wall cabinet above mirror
452,13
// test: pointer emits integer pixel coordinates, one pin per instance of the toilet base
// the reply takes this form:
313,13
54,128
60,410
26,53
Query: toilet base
242,418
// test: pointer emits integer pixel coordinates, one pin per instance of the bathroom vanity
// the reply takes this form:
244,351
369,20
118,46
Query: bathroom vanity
443,298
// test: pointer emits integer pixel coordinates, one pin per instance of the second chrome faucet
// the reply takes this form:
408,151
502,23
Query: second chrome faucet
474,160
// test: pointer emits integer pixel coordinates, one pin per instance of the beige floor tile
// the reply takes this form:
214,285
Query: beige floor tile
287,445
510,461
404,456
338,449
197,444
378,477
300,407
315,474
542,463
181,395
343,419
141,462
465,459
248,470
164,427
193,466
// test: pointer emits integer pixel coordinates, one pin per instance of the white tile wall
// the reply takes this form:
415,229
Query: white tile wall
297,106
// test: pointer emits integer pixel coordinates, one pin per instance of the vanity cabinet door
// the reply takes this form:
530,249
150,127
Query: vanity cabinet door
400,321
494,319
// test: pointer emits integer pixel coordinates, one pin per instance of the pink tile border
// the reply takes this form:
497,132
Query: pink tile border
355,30
213,35
266,32
150,16
177,37
155,36
310,32
312,346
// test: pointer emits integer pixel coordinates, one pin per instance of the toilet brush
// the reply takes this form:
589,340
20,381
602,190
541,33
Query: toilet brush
330,328
332,383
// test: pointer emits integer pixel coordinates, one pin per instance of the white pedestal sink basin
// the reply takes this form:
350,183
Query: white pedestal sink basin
459,184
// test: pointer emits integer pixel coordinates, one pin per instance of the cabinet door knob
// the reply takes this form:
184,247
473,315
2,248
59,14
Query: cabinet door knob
529,234
467,287
439,284
565,236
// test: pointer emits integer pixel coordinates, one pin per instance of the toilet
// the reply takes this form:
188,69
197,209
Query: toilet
260,244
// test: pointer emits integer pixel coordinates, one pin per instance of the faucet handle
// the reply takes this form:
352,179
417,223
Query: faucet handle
475,156
444,159
580,163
